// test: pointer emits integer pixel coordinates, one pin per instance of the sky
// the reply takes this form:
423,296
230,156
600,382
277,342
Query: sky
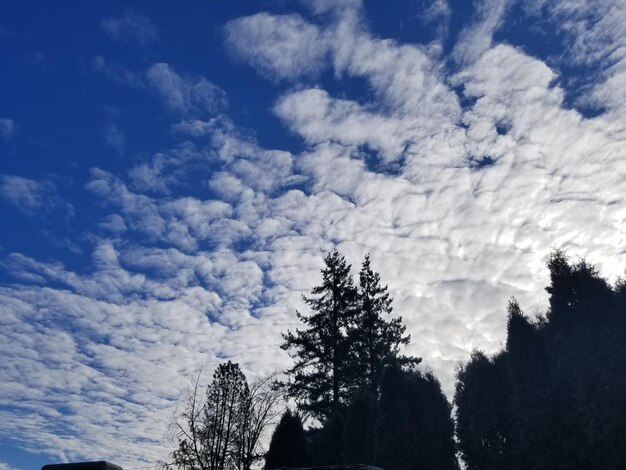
172,174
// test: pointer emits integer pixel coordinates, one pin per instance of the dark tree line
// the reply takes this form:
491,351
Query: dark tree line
405,425
372,404
555,396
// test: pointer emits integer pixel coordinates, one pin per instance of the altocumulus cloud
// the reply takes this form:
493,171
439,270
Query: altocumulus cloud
4,466
7,128
33,197
458,211
131,27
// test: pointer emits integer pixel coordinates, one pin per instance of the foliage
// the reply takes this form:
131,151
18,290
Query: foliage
224,430
483,425
288,446
376,340
555,397
347,341
320,377
360,423
263,406
407,426
414,425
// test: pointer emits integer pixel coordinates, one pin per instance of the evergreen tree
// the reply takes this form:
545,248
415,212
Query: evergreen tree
414,425
288,446
316,440
358,437
376,339
434,447
394,427
482,398
320,378
555,397
530,377
326,443
332,440
586,333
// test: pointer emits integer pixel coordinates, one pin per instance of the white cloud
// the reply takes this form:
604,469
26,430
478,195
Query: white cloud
595,37
436,13
194,127
186,95
477,37
340,8
7,128
23,192
131,27
283,47
115,137
114,223
116,73
32,197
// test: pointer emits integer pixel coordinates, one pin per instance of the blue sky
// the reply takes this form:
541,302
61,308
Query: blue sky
172,174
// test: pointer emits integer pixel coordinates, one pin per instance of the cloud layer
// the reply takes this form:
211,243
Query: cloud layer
458,183
33,197
132,27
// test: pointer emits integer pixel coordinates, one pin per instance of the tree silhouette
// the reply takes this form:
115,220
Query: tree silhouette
394,427
360,423
555,397
431,412
348,339
320,377
414,426
376,340
263,404
288,446
332,440
208,428
223,430
483,407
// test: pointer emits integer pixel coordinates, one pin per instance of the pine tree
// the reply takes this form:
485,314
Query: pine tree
319,379
288,446
376,339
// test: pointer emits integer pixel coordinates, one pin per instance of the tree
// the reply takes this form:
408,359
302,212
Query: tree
223,430
262,406
414,427
332,440
288,446
320,377
434,446
482,398
555,396
360,424
530,376
376,340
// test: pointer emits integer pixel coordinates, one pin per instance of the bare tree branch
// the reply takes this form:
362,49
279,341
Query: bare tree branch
225,429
